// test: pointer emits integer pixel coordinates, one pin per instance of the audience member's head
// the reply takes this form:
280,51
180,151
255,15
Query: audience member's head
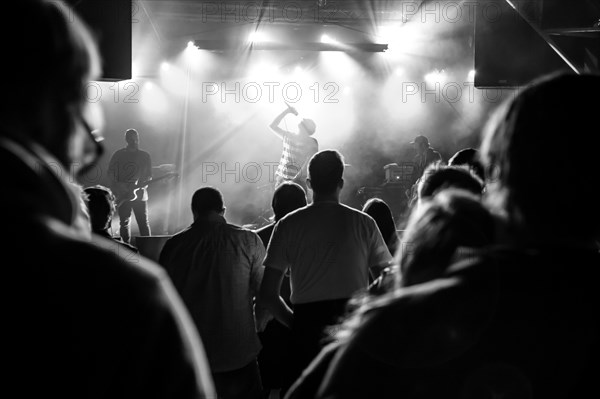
325,170
101,207
207,201
541,155
52,108
451,220
470,159
288,197
440,177
379,210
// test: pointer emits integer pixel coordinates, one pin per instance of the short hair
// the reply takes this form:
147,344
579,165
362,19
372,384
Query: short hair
207,199
529,167
70,60
100,203
288,197
129,133
468,157
325,170
440,177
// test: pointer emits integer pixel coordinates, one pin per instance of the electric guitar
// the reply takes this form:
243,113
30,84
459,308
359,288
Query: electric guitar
130,191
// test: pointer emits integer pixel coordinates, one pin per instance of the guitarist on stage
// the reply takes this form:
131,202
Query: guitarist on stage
298,148
130,169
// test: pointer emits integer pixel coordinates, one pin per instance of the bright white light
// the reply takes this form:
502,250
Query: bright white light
263,71
154,100
471,76
191,44
400,39
328,39
347,90
436,77
135,69
173,80
257,37
165,66
339,64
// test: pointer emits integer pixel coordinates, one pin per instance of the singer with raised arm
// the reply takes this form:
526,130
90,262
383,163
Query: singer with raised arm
298,148
130,171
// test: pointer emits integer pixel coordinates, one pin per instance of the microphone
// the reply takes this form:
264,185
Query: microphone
294,109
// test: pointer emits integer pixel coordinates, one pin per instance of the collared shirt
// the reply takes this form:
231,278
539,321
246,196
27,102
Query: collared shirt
297,150
329,248
217,269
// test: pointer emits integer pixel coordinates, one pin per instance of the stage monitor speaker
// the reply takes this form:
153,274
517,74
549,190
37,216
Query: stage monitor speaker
110,20
150,246
509,52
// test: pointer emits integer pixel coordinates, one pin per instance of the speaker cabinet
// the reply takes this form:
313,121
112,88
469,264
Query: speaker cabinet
509,52
150,246
110,21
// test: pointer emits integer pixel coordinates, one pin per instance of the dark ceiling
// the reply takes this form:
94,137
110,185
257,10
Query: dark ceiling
178,20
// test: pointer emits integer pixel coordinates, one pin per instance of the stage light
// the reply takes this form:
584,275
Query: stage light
165,66
191,44
328,39
401,39
471,76
257,37
437,76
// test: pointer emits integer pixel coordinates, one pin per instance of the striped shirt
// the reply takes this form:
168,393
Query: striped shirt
297,150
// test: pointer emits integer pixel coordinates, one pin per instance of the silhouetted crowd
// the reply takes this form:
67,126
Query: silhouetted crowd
491,291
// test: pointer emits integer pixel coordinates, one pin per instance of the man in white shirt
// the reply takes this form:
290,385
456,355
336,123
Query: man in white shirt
329,249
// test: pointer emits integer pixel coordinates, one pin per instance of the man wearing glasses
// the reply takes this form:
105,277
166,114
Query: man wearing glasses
81,321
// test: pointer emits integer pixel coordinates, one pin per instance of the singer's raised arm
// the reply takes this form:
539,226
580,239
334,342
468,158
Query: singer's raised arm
274,126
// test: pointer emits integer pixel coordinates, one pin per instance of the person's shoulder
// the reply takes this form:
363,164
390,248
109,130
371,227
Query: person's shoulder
436,153
296,216
265,230
102,260
265,233
356,213
144,153
118,152
449,302
240,230
180,235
